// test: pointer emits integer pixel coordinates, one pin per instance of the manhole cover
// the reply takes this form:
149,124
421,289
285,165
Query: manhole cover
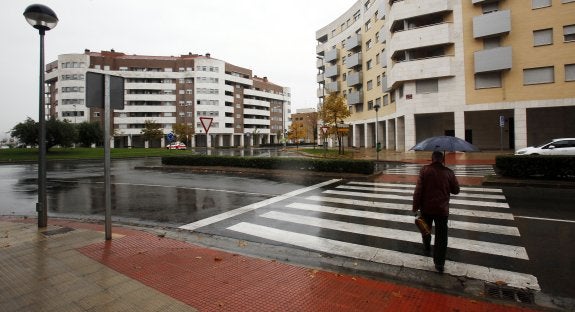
508,293
63,230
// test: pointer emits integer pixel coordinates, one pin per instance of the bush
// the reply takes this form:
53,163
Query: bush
536,166
284,163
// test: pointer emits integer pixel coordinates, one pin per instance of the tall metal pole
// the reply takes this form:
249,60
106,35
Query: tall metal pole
42,206
376,141
107,183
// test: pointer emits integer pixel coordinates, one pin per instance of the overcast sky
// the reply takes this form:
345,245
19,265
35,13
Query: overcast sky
273,38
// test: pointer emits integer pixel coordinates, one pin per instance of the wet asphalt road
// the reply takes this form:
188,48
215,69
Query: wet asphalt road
77,188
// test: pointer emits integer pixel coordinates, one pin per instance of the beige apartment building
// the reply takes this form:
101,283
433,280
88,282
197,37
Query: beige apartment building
500,74
245,109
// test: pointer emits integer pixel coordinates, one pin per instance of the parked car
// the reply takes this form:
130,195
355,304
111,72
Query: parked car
176,146
562,146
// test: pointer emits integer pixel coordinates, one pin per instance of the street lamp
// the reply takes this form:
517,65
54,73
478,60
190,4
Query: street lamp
376,107
42,18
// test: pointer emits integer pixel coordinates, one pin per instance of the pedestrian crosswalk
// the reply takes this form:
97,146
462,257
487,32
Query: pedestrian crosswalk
460,170
373,222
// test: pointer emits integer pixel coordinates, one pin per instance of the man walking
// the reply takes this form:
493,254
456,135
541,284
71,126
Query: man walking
434,186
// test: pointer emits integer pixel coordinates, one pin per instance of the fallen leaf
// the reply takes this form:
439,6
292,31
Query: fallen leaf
218,259
198,257
500,283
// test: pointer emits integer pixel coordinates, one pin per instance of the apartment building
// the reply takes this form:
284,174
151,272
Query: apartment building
168,90
307,119
500,74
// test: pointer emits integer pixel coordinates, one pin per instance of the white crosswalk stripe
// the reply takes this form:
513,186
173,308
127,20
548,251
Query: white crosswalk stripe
480,225
460,170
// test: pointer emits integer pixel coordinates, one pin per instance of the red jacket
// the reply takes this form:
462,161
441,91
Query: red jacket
432,192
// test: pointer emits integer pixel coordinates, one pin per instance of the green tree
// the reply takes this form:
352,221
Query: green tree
58,132
333,111
90,133
26,132
152,130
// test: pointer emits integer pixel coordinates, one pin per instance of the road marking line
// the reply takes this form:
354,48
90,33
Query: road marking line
192,188
410,198
404,207
514,279
407,236
545,219
412,186
461,225
232,213
387,189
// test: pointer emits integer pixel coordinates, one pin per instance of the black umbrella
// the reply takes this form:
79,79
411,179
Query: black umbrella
445,143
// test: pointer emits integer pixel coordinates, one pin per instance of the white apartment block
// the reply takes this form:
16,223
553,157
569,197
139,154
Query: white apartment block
498,73
246,110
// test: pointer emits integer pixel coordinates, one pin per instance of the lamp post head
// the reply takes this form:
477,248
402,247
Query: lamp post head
40,17
376,107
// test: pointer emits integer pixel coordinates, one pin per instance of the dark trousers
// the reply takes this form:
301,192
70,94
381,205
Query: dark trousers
440,244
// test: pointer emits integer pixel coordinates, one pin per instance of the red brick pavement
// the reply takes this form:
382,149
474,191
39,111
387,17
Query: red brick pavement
212,280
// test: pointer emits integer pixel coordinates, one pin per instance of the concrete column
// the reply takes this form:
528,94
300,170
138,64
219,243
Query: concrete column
409,125
163,141
400,134
220,140
459,124
520,115
129,140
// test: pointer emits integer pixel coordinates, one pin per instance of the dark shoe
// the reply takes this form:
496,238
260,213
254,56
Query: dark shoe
427,242
439,268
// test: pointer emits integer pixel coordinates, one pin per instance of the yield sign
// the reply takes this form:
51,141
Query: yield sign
324,129
206,123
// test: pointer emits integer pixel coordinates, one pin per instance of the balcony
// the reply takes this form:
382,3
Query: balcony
332,87
493,59
402,10
492,24
331,71
353,42
420,69
434,35
354,79
353,60
320,77
331,55
319,63
355,98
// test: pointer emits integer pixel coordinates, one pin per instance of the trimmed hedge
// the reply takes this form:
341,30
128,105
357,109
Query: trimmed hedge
536,166
284,163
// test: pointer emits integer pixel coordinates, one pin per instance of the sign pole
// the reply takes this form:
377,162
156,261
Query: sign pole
107,184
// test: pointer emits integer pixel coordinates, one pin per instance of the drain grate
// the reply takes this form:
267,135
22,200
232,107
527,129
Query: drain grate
63,230
508,293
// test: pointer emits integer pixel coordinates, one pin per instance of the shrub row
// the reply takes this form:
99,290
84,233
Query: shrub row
536,166
285,163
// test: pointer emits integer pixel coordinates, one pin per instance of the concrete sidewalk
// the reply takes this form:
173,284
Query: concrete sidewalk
70,267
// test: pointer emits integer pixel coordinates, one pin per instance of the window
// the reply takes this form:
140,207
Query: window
569,33
490,43
570,72
369,105
370,85
536,4
385,100
378,79
368,44
368,25
488,80
426,86
490,7
368,64
378,102
538,75
543,37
